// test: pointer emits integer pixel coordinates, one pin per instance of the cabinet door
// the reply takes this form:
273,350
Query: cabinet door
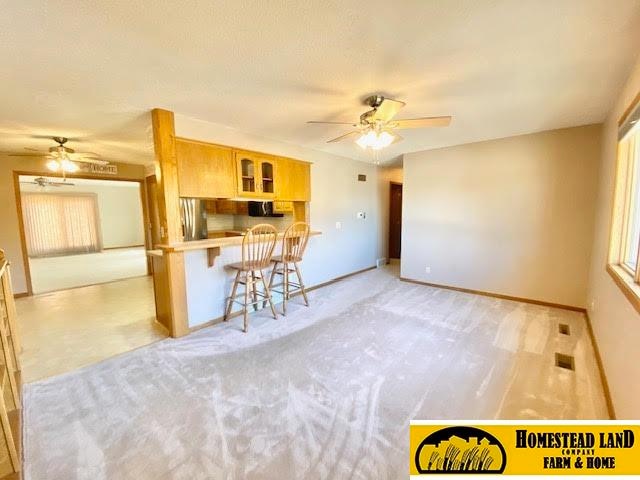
204,170
293,180
268,167
248,174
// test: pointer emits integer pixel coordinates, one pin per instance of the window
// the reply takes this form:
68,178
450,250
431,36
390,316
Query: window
62,224
624,248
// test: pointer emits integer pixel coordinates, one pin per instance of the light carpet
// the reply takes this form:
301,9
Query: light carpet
325,392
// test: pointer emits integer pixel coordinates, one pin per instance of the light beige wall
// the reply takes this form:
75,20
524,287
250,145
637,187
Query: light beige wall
9,229
512,216
119,209
386,175
616,324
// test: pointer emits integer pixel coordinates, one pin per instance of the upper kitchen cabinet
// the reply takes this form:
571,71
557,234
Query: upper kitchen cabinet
293,180
256,174
205,170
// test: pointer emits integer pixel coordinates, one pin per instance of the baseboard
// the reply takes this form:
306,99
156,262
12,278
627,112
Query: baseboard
215,321
603,376
497,295
125,246
21,295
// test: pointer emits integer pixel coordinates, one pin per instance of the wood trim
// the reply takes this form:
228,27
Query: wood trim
603,376
23,236
629,109
497,295
20,295
627,285
215,321
146,221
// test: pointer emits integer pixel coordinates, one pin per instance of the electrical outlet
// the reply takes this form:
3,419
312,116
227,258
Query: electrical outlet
427,269
593,305
338,225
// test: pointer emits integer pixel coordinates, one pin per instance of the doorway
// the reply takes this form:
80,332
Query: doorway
395,220
84,243
80,232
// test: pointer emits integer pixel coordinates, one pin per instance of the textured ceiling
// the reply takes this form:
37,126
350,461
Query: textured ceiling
93,70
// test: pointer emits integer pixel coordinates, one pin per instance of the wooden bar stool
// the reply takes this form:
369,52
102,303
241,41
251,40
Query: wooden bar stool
294,243
257,248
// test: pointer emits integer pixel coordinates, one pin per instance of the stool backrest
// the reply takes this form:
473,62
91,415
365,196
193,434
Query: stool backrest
295,241
257,246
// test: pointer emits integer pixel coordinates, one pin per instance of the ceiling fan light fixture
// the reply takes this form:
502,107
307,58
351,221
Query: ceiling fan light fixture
68,166
53,165
374,140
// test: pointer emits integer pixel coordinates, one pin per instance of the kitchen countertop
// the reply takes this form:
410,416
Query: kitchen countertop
212,243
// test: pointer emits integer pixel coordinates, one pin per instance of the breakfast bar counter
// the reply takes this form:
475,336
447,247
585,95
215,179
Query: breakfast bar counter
213,242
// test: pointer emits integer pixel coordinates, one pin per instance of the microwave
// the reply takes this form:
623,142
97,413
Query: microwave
262,209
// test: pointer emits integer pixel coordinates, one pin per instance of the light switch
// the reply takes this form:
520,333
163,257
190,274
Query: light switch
361,215
338,225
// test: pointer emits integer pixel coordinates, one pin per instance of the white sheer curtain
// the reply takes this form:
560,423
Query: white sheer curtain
60,224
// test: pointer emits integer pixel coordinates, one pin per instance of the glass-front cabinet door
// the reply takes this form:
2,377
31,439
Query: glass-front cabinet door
256,175
247,167
267,176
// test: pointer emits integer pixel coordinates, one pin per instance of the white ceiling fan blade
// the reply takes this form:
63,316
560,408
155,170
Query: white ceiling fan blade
421,122
387,110
43,154
332,123
344,137
396,138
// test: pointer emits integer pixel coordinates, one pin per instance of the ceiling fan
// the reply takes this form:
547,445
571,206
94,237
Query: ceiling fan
376,128
61,157
45,182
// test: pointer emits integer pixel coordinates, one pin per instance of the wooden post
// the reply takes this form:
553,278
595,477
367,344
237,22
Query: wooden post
171,278
168,197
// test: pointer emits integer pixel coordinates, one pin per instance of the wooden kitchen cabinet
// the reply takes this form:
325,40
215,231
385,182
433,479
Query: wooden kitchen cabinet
256,174
293,180
205,170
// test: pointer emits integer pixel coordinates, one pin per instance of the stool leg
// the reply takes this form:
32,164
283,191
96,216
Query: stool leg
247,286
267,292
227,311
304,292
254,290
285,280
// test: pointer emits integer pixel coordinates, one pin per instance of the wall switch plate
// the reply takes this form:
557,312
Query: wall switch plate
338,225
427,269
361,215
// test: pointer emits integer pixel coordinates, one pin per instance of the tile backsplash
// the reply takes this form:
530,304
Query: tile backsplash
243,222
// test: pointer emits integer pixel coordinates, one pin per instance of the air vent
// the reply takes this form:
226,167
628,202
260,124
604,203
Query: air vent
564,329
362,178
565,361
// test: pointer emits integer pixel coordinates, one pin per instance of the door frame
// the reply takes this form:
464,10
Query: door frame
391,185
23,237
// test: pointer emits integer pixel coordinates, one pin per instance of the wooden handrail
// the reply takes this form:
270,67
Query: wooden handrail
10,406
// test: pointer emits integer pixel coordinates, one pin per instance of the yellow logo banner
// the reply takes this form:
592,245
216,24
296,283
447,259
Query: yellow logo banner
519,448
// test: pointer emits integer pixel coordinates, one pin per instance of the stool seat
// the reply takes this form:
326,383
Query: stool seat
286,258
246,266
257,248
294,243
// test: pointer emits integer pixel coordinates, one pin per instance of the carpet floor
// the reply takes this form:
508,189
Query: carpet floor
325,392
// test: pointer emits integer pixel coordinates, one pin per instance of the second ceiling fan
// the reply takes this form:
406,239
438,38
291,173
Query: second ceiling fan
376,128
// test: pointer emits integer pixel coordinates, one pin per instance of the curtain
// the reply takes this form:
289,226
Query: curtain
60,224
